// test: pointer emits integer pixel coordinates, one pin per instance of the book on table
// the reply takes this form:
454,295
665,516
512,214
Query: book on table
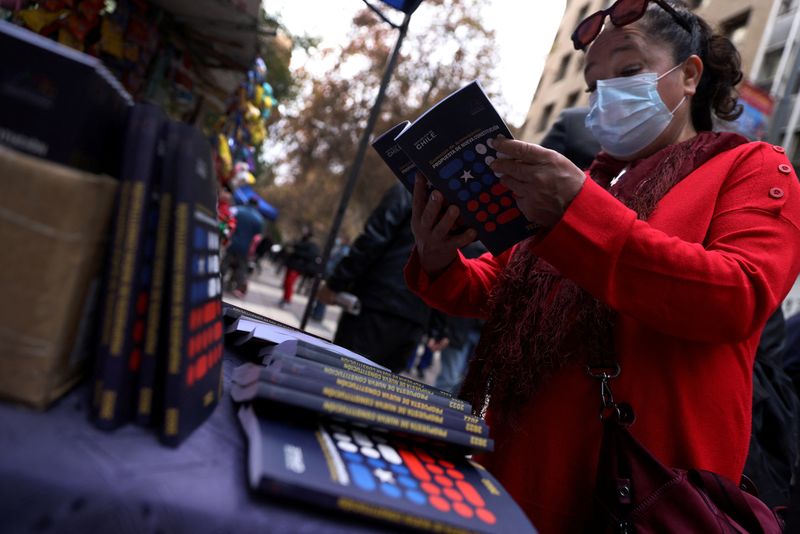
327,426
452,146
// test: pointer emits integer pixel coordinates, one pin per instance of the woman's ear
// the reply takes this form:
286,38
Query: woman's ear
692,71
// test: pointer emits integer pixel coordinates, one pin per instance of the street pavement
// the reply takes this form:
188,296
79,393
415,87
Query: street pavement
264,293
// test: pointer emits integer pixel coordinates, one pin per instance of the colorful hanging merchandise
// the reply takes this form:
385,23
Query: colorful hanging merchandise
124,35
244,128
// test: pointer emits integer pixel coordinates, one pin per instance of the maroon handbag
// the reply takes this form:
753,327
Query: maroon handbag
635,492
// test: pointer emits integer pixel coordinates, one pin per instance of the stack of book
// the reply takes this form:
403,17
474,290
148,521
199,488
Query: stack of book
160,345
330,427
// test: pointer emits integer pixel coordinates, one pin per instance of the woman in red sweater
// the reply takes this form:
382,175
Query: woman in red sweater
668,255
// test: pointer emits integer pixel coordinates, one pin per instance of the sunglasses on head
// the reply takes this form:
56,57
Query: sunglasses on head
621,13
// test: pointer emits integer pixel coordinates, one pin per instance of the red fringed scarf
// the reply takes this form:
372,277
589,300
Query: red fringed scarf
538,320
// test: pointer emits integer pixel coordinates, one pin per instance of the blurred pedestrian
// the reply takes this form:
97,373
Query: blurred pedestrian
249,223
340,249
570,137
302,260
392,320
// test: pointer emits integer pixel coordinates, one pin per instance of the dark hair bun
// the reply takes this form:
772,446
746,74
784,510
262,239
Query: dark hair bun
726,65
722,64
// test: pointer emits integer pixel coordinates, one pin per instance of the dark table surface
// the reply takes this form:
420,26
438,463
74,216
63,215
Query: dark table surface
58,473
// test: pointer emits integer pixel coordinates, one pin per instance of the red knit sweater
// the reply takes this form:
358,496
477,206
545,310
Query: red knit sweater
693,287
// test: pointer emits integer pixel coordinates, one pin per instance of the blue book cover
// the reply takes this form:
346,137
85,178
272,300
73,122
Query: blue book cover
451,144
377,476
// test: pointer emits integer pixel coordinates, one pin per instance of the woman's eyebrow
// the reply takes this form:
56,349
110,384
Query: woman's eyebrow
622,48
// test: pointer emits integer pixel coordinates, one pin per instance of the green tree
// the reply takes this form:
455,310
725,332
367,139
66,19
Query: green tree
314,142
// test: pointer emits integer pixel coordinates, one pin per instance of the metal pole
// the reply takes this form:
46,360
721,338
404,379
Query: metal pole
354,170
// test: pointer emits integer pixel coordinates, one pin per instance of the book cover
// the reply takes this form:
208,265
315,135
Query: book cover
121,354
194,330
376,475
452,146
339,388
403,168
60,104
270,398
394,156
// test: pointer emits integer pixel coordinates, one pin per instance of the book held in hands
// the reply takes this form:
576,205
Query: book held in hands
452,146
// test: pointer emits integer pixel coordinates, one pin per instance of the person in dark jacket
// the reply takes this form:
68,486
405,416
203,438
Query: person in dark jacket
773,455
392,319
570,137
249,223
302,260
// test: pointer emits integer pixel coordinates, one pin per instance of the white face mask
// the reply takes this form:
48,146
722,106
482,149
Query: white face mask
627,114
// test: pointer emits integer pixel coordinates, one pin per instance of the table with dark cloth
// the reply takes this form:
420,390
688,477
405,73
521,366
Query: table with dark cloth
58,473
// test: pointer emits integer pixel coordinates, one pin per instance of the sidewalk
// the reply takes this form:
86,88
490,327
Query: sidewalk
265,291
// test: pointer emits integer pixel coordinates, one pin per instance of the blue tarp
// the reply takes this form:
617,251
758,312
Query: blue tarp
244,193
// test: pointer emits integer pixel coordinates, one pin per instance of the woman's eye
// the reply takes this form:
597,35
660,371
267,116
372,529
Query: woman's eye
629,71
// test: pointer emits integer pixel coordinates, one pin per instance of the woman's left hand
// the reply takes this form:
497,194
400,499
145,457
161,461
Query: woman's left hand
543,181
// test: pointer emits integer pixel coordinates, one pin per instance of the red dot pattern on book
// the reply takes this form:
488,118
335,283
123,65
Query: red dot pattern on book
204,345
443,481
439,503
432,480
463,510
435,469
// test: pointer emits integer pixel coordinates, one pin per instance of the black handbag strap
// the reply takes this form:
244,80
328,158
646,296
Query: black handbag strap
728,498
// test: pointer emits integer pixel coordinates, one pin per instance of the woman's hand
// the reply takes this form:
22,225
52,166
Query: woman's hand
326,295
435,246
543,181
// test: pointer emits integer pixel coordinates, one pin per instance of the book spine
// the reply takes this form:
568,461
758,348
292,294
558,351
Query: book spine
348,391
149,400
412,398
359,507
272,393
118,376
176,327
427,401
111,282
308,351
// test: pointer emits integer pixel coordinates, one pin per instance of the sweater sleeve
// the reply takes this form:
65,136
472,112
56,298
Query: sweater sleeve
722,290
380,230
463,288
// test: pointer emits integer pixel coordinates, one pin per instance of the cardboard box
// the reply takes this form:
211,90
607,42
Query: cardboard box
60,104
54,226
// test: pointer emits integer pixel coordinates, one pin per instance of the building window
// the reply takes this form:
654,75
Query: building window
572,99
787,6
769,65
563,66
544,121
735,28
